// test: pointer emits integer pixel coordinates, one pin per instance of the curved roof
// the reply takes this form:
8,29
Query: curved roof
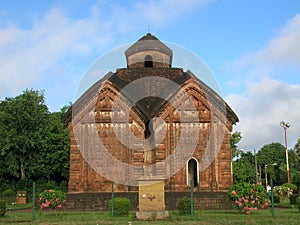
148,42
150,106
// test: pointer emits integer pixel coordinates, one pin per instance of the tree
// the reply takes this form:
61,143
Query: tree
234,140
22,125
294,167
297,149
244,168
53,162
270,154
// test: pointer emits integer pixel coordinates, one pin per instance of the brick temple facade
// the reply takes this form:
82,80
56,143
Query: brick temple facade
180,134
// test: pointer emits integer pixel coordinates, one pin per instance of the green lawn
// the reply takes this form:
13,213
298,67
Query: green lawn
282,216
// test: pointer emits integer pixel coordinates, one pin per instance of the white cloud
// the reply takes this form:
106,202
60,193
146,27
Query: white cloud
27,56
266,99
163,12
261,108
154,13
57,42
281,51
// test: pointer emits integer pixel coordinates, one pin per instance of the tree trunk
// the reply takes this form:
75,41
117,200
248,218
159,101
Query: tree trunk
22,170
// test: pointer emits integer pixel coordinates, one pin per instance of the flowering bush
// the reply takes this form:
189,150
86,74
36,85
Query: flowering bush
53,199
247,197
285,190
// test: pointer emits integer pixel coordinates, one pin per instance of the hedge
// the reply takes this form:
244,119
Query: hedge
2,208
121,206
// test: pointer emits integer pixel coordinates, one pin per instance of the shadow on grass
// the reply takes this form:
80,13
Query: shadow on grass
15,221
225,212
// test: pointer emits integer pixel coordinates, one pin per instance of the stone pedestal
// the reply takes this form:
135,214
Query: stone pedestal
151,199
21,198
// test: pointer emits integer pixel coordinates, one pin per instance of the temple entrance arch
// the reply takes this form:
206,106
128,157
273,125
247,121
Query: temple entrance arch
192,171
148,61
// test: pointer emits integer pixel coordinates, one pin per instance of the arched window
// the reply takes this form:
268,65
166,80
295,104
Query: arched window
148,61
192,172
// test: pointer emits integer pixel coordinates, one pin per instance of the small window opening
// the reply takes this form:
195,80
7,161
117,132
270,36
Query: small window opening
148,61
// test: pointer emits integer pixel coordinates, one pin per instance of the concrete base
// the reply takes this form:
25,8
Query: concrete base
159,215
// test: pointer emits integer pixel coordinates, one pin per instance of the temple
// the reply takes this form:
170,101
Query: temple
149,119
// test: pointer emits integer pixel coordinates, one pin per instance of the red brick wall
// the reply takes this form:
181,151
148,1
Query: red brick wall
100,201
215,177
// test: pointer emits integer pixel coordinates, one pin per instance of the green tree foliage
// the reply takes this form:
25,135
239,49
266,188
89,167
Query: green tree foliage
297,149
22,122
53,159
58,144
234,140
34,143
294,168
244,165
276,153
298,203
2,208
244,168
270,154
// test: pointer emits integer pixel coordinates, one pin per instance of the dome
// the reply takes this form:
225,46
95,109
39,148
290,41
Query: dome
148,51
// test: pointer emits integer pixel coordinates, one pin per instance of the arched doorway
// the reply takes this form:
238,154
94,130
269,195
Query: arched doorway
148,61
192,172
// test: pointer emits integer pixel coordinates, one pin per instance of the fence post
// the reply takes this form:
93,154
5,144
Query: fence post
272,197
33,199
112,199
192,200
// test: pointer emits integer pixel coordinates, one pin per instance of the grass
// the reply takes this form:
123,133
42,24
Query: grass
204,217
21,215
285,203
15,206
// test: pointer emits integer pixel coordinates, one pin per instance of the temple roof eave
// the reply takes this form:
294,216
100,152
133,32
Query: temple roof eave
117,84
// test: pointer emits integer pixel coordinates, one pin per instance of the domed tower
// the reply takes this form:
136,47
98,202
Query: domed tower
149,52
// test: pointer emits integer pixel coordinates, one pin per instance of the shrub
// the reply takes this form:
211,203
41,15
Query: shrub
290,186
298,203
42,185
276,199
8,192
293,199
247,197
121,206
52,198
184,206
285,190
2,208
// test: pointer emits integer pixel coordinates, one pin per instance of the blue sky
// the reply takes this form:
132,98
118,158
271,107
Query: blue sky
252,47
